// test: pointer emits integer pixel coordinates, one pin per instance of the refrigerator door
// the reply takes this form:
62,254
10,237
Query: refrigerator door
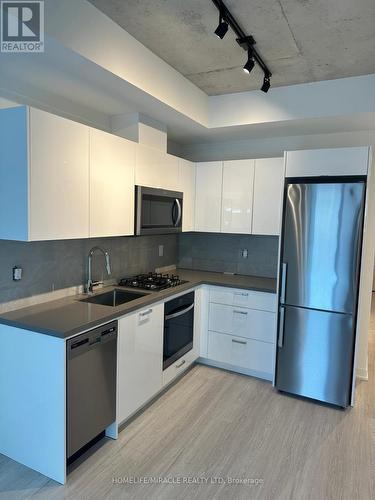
321,244
315,355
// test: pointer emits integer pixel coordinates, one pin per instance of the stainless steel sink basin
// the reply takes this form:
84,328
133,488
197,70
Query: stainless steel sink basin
113,298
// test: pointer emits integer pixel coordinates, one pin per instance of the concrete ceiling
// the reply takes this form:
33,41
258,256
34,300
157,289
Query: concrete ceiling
301,40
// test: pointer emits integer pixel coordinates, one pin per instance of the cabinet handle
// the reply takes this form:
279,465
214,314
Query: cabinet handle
240,312
145,313
243,342
181,364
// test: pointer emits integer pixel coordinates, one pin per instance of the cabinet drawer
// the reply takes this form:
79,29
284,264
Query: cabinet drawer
249,323
243,353
178,366
244,298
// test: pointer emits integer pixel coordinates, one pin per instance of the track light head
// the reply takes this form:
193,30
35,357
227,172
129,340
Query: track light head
250,63
266,84
222,29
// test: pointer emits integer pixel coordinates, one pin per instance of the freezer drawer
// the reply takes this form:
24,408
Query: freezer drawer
315,355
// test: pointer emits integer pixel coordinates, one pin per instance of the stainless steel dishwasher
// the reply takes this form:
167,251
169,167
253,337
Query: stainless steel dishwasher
91,385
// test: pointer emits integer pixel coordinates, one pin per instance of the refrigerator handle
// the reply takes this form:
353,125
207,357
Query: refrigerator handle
280,341
284,266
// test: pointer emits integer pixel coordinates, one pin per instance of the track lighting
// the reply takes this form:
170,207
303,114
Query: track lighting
250,62
221,29
223,26
245,41
266,84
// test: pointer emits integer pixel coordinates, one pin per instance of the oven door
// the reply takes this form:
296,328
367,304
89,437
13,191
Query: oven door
178,328
158,211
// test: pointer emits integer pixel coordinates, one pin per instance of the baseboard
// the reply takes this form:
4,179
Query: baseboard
362,373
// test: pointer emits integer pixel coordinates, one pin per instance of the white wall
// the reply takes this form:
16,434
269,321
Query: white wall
270,147
308,100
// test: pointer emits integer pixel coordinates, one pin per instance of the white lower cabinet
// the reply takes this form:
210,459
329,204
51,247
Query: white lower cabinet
239,338
240,331
263,301
241,352
249,323
140,359
178,367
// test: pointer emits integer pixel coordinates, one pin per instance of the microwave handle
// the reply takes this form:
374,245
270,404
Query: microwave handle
177,203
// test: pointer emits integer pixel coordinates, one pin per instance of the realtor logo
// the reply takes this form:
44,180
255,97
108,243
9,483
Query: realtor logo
22,26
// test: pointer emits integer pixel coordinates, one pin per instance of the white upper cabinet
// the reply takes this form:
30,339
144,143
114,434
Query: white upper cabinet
155,168
237,198
209,176
44,176
316,162
112,166
268,194
187,186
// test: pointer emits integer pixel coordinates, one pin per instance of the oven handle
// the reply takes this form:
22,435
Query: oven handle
179,313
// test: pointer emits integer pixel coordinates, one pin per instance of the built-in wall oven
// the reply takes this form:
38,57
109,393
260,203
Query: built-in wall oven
178,328
157,211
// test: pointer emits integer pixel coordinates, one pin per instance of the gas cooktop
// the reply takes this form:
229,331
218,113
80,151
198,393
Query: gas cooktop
152,281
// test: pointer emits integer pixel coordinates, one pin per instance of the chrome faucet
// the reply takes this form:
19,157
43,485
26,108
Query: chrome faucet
90,284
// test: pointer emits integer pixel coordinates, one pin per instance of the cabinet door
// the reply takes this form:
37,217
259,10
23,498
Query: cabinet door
208,196
187,186
336,161
155,168
237,204
59,177
140,359
268,193
112,162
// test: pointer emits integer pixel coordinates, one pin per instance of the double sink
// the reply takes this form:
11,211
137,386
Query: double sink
113,298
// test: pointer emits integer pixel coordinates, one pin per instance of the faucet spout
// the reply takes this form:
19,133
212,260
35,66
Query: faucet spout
90,284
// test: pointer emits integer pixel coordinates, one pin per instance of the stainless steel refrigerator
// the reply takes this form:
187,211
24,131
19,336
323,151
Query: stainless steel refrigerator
320,265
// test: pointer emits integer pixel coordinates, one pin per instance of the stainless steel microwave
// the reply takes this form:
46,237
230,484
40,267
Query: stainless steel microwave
157,211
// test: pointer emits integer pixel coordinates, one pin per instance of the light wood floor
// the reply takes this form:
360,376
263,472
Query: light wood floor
217,425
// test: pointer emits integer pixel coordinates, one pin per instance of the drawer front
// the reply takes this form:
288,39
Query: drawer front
178,366
243,353
249,323
244,298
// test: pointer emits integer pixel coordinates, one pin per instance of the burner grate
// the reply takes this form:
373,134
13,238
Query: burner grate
152,281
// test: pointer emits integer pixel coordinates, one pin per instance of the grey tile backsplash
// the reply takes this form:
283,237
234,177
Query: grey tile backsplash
53,265
222,253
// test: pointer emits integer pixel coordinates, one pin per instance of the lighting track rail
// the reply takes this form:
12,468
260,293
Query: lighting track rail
247,42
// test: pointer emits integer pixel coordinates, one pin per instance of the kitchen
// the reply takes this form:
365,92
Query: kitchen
149,283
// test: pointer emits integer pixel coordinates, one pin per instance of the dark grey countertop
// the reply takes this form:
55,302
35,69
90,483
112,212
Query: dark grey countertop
66,317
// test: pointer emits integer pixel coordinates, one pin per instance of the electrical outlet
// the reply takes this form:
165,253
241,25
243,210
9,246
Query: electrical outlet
244,253
161,250
17,273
